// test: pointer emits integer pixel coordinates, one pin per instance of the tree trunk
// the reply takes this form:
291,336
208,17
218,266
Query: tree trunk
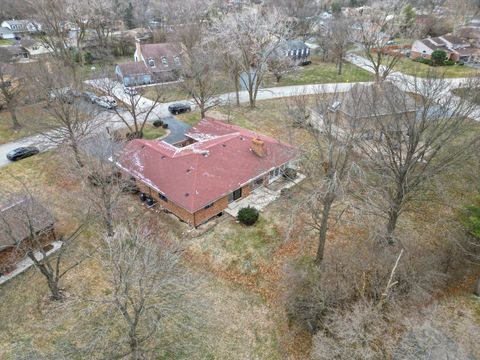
202,112
237,90
13,114
52,282
476,290
340,64
393,214
76,153
134,348
327,205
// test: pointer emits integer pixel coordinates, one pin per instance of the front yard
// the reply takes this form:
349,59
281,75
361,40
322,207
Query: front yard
410,67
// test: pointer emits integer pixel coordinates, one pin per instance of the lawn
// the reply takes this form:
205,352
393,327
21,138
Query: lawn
321,72
151,132
409,67
236,323
29,117
5,42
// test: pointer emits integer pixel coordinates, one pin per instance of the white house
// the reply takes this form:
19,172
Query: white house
6,34
21,26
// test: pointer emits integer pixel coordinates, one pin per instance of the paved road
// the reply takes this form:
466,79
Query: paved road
178,128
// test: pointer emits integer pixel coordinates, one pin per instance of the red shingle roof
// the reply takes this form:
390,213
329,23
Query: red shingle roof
197,175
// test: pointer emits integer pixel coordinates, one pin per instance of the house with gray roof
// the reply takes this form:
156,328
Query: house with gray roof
21,26
296,50
153,63
457,48
6,34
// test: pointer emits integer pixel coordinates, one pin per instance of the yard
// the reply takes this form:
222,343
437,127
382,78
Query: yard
410,67
239,270
319,72
30,116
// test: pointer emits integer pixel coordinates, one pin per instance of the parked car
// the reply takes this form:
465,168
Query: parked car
90,96
179,108
64,95
106,102
22,153
130,91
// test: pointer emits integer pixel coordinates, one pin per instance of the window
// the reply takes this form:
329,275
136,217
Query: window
164,61
151,63
208,206
257,183
162,197
176,60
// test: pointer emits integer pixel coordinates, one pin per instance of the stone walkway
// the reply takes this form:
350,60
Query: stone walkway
260,197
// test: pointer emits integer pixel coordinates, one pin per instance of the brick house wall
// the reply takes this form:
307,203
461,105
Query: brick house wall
197,218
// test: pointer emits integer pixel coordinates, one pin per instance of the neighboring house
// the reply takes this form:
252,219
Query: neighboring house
6,34
20,217
154,63
21,26
13,53
217,165
364,106
453,45
296,50
34,48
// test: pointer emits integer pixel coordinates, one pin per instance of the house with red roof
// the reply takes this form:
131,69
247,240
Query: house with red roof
218,164
153,63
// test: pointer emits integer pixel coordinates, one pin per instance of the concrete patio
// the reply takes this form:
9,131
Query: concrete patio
262,196
24,264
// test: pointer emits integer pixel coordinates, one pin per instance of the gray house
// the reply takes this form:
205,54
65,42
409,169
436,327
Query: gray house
21,26
296,50
6,34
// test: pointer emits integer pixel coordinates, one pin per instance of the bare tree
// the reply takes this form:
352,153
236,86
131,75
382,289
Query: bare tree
200,79
252,39
415,143
28,228
330,165
302,14
373,35
147,284
138,108
103,185
11,86
71,120
339,40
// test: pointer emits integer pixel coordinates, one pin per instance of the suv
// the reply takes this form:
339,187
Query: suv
179,108
22,153
106,101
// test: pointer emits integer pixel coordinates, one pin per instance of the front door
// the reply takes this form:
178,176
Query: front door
237,194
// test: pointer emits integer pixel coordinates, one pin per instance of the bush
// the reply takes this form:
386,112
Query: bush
248,216
165,126
449,62
439,57
424,61
158,123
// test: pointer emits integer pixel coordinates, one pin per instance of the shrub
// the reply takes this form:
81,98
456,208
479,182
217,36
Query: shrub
424,61
449,62
439,57
248,216
88,58
165,126
158,123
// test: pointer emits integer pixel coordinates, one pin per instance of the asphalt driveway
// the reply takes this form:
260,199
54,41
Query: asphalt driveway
177,129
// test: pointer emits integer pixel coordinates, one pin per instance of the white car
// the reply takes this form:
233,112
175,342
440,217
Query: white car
107,102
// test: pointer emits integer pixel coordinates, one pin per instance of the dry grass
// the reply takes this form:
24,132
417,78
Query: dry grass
238,323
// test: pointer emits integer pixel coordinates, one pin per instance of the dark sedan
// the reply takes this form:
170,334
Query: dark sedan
179,108
22,153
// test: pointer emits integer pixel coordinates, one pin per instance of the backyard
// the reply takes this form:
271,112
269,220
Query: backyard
239,271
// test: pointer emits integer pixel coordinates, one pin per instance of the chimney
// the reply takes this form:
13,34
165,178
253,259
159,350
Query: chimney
258,147
138,50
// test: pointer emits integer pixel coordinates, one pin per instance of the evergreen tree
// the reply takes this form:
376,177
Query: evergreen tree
128,16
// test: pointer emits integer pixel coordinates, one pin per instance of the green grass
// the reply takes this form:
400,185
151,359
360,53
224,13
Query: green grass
6,42
151,132
410,67
320,73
